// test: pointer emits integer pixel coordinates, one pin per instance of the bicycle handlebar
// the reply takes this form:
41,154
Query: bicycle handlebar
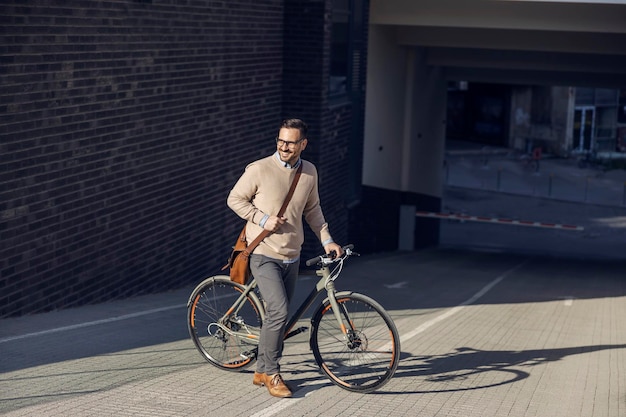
332,255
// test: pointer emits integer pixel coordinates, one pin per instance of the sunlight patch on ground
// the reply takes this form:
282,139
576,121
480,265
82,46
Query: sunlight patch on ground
616,222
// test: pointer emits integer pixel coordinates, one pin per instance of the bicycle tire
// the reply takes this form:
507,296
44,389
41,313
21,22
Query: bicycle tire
207,305
370,358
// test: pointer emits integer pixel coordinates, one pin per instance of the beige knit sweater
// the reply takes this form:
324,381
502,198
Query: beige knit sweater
262,189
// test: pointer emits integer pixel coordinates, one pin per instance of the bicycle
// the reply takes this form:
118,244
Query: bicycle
530,161
354,341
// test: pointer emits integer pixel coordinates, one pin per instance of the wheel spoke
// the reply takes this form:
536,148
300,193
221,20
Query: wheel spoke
369,356
228,342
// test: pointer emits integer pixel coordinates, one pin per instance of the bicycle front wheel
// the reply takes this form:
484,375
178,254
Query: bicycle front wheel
225,334
366,357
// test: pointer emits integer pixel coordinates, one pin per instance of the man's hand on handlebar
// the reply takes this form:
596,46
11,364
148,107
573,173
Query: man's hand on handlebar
332,255
333,247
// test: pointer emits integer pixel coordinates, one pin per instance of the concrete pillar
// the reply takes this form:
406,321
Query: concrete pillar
425,127
404,140
384,109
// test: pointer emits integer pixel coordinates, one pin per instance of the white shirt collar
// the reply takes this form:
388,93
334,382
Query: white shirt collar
286,164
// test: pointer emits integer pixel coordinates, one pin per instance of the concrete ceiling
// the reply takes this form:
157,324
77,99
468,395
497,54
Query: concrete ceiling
571,43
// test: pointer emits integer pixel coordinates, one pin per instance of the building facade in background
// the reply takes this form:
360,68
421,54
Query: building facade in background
562,121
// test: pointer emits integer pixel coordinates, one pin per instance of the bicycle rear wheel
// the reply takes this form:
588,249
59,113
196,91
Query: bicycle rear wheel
369,357
212,322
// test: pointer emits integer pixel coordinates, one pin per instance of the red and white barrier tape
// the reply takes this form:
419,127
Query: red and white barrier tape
498,220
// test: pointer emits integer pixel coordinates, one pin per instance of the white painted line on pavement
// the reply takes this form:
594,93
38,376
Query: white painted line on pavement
288,402
460,307
91,323
276,407
396,286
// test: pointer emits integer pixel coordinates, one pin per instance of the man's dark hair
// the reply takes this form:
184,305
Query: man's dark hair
296,124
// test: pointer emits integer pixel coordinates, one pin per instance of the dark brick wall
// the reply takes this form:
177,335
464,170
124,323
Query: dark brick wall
123,124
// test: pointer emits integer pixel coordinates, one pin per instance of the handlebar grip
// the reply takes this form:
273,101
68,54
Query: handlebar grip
317,259
313,261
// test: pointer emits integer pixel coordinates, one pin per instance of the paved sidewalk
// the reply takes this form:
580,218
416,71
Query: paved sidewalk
483,334
501,169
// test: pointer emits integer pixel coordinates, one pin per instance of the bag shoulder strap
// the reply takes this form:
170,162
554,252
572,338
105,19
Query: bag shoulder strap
266,233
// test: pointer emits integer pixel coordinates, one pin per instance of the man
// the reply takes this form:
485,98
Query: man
257,197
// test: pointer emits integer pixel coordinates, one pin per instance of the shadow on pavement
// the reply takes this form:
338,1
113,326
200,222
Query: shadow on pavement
464,369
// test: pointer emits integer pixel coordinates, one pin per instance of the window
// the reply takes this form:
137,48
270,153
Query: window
347,47
339,47
346,81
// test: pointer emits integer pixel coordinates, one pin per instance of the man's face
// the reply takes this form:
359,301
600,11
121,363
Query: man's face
290,145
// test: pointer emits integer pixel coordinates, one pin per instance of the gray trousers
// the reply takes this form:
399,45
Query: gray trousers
276,281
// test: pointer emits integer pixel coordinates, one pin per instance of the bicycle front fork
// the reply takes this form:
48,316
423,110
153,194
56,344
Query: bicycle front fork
337,311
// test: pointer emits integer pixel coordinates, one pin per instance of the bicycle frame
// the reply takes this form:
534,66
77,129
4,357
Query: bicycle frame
326,282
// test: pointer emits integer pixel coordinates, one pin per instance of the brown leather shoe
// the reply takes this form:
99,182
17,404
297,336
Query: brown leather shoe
276,386
259,378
